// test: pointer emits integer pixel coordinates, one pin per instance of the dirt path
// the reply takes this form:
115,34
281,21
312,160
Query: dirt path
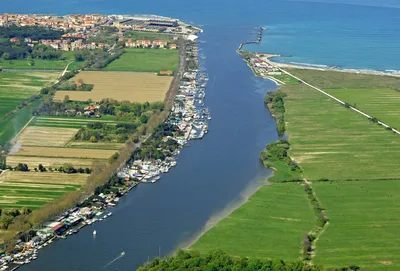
337,100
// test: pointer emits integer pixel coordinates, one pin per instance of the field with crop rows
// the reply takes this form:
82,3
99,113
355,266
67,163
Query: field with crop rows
270,225
16,87
330,141
121,86
363,227
33,189
146,60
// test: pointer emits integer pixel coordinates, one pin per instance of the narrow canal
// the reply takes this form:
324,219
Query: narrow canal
213,175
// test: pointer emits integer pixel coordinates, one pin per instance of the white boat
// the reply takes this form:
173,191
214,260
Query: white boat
94,232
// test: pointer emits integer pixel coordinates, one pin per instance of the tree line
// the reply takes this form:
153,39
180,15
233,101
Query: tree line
219,260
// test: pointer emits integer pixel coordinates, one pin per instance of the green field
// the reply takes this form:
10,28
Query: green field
15,88
32,189
270,225
146,60
381,103
285,79
137,35
330,141
68,122
43,64
364,224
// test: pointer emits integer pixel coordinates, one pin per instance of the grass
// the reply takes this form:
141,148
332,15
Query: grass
381,103
121,86
270,225
330,141
43,64
138,35
363,228
285,79
146,60
16,87
34,189
282,172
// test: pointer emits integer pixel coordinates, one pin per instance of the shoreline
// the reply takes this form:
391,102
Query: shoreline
268,59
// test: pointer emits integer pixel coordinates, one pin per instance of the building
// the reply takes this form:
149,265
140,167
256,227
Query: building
159,43
59,228
173,46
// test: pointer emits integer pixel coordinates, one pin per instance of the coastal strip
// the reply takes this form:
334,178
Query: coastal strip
257,41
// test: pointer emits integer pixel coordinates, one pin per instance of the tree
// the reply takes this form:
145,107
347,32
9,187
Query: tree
30,60
66,99
93,139
41,168
6,56
79,83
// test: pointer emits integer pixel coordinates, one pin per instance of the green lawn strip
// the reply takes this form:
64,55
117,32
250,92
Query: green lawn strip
330,141
16,191
381,103
97,146
138,35
363,224
285,79
43,64
337,79
270,225
145,60
10,127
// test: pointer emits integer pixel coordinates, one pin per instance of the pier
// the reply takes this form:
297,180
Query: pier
257,41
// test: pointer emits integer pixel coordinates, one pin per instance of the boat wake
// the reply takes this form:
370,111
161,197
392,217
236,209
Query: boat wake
115,259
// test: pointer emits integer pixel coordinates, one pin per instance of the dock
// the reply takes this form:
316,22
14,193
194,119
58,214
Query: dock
257,41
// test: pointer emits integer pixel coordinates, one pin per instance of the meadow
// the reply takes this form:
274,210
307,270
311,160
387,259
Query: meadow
59,152
381,103
145,60
138,35
330,141
121,86
16,87
34,189
43,64
363,226
271,224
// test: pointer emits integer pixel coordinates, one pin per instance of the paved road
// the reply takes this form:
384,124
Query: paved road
337,100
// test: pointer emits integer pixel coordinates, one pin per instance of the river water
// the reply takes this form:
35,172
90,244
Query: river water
213,175
218,173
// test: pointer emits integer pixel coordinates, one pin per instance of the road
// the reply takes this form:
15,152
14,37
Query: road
337,100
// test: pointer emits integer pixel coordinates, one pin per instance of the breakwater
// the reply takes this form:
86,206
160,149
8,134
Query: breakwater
257,41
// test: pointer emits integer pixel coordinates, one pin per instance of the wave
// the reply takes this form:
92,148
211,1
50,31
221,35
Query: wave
310,65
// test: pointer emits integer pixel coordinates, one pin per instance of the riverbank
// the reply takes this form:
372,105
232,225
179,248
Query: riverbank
323,131
187,120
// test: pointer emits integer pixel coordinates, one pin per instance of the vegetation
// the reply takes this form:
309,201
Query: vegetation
276,105
146,60
219,260
20,50
330,141
363,227
138,35
276,156
270,225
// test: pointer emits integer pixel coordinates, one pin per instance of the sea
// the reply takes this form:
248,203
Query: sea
217,174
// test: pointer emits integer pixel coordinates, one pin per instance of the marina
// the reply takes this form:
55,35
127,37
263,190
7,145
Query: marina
190,118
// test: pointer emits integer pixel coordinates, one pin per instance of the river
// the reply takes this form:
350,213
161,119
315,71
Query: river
213,175
219,172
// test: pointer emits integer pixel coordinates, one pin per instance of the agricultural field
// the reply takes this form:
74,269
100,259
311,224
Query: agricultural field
363,224
381,103
68,122
330,141
55,152
34,189
145,60
16,87
43,64
46,136
121,86
271,224
33,162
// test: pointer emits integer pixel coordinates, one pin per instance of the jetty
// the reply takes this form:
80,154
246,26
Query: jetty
257,41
